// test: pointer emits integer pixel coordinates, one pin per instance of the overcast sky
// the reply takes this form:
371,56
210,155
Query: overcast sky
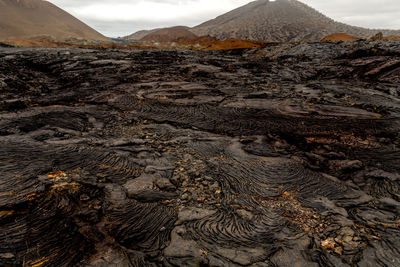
116,18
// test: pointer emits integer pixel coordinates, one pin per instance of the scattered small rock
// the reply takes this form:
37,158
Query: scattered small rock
328,243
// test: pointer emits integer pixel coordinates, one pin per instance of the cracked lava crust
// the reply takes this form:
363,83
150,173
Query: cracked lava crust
282,156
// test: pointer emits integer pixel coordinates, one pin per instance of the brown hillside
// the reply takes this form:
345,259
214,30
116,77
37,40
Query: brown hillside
278,21
236,44
139,35
203,41
29,18
392,37
337,37
169,34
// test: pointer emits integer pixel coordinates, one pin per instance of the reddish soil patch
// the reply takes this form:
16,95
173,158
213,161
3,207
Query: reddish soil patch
391,38
236,44
337,37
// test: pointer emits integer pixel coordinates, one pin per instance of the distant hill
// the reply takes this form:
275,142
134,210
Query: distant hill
30,18
139,35
161,34
169,34
278,21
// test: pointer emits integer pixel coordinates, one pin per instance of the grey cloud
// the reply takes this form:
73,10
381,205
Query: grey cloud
365,13
123,28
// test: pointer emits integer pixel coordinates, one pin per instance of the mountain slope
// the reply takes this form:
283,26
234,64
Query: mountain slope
28,18
281,20
169,34
139,35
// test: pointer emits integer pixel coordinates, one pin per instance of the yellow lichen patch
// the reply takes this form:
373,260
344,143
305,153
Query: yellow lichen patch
203,252
32,196
57,175
63,186
6,212
37,263
287,194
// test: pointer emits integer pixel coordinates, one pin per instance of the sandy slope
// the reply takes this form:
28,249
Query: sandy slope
27,18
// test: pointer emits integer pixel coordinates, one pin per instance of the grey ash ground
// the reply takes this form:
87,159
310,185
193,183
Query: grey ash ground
285,156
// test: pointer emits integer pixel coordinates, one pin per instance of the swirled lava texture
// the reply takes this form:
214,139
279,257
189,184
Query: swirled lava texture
283,156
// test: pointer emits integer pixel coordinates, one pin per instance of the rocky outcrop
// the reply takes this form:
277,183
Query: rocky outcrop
282,156
378,36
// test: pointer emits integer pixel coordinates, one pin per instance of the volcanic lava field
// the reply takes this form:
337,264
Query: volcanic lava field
283,156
